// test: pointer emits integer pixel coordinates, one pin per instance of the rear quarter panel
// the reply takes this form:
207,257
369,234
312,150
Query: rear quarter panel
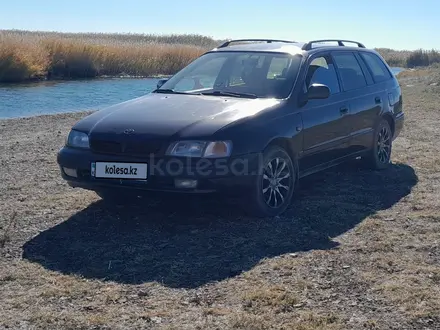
395,101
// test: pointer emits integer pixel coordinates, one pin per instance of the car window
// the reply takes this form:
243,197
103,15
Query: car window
378,68
278,67
261,74
351,72
243,66
322,71
202,76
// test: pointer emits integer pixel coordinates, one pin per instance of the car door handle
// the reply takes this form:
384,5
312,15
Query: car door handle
343,111
378,100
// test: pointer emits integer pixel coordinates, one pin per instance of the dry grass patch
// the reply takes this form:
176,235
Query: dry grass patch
301,321
7,228
415,296
273,297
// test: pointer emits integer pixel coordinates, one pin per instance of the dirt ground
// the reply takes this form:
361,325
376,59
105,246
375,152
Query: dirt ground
357,250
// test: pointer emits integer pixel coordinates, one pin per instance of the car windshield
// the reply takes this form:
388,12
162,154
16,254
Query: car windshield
237,74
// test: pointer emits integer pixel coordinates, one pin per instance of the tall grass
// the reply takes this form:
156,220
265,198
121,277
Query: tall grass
32,55
410,59
20,61
120,38
395,58
28,55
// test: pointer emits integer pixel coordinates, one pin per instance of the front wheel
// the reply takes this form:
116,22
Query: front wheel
273,187
379,156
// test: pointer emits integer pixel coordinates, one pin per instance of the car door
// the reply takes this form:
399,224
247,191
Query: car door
325,127
364,99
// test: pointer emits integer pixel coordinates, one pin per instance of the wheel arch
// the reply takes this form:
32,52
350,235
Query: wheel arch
389,118
286,144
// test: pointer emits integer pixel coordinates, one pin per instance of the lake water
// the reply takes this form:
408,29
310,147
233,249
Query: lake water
68,96
33,99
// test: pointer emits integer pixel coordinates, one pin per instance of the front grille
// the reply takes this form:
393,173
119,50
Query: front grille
126,148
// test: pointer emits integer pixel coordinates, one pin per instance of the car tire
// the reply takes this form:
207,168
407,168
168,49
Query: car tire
274,185
379,157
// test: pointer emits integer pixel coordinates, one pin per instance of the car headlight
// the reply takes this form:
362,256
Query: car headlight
207,149
77,139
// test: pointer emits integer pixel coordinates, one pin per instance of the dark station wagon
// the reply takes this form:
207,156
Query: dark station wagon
250,117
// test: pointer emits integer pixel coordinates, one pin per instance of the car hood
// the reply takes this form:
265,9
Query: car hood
172,116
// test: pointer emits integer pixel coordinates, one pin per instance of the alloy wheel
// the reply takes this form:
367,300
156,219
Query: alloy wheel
384,145
276,182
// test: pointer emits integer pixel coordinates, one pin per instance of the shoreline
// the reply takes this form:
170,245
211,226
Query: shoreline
3,120
60,80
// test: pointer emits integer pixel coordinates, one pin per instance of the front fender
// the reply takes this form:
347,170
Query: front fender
287,128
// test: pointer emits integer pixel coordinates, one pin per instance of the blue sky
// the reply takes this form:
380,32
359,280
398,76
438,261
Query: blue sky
377,23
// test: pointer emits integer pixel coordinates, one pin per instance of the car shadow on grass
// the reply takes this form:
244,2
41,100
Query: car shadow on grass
187,242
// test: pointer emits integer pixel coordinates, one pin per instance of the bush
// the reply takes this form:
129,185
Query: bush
423,58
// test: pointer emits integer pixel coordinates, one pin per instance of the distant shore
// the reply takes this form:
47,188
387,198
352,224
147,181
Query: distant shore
27,56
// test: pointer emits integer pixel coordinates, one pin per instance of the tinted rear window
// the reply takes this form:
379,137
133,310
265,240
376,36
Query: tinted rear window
351,72
377,67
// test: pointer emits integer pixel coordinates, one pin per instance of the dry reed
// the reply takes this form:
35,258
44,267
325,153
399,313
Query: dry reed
27,55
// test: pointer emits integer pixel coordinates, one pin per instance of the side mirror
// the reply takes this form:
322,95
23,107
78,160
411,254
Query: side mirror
161,82
318,91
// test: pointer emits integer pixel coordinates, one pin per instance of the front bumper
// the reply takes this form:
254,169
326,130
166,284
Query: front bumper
212,175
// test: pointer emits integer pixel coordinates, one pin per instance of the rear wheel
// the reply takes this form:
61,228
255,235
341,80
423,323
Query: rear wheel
273,188
379,156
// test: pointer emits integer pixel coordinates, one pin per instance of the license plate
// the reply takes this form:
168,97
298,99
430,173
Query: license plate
106,170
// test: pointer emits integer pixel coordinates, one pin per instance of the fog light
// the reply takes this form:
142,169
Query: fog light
185,183
70,172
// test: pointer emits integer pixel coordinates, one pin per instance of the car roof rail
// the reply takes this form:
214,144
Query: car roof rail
308,45
227,43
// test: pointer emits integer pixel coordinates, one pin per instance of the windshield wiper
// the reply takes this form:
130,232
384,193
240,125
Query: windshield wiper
233,94
172,91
